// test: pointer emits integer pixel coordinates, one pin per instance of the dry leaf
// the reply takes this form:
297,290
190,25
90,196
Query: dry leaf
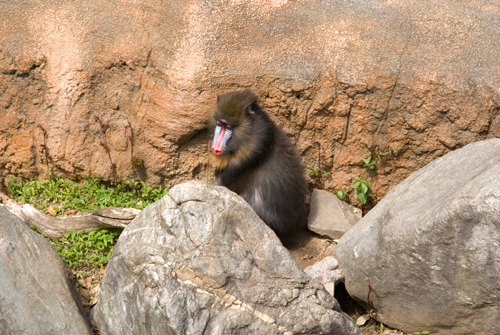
53,210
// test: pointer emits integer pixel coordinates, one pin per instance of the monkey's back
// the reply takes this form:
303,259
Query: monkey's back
276,189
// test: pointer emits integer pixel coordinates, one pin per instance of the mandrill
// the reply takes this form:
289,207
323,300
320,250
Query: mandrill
254,158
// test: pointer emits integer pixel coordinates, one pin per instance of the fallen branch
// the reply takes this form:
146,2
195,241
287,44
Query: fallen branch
51,226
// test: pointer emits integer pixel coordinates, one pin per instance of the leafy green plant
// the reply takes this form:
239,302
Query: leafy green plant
422,332
318,174
382,328
369,162
312,172
341,194
389,152
94,248
373,160
362,190
63,195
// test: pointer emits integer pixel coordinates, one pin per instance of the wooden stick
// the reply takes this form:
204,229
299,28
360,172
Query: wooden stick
112,217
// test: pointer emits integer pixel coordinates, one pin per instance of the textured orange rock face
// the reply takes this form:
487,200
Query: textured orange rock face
407,127
350,81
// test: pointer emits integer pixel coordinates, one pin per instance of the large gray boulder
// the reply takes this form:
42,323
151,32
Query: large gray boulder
36,297
200,261
430,248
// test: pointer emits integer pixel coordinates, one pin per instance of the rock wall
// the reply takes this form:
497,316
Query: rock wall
349,78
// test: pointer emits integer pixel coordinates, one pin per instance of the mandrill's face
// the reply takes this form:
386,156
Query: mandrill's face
232,123
222,134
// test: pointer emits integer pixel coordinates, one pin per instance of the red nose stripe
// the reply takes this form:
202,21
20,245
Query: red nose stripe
216,149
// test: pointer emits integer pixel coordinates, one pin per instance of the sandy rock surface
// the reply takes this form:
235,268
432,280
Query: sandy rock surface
345,80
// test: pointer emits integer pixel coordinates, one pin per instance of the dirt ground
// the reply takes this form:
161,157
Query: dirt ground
308,248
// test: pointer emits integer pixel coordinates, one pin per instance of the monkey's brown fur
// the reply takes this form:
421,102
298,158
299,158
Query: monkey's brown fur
259,162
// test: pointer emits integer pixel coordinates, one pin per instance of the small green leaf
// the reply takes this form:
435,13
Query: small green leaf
362,198
341,194
366,182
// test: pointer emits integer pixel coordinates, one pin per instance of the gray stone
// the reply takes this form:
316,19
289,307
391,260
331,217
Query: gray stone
362,320
430,248
200,261
330,287
327,270
330,216
35,294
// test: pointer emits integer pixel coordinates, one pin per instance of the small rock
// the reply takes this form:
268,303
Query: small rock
362,320
330,216
299,86
326,271
330,287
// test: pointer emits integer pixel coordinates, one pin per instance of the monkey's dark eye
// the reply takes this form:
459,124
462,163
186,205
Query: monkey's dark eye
224,123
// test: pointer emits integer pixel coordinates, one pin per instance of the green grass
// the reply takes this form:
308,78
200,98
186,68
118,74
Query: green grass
63,196
82,197
86,249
